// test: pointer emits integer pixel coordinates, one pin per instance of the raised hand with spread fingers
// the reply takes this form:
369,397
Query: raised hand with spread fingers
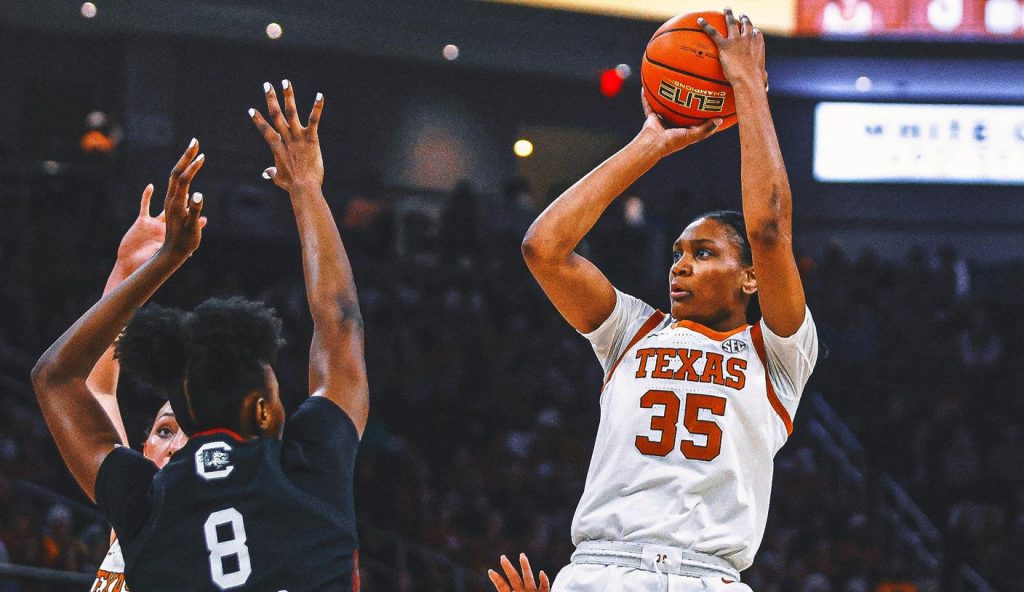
82,429
512,582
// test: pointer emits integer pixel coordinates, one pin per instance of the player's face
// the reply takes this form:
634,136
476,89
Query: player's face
707,277
165,437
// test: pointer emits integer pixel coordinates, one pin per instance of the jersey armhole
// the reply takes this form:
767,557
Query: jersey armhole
758,338
652,322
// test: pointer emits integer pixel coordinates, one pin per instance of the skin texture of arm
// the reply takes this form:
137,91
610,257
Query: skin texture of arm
82,429
337,367
767,199
577,288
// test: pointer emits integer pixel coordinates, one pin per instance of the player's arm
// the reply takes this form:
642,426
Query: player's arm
82,429
337,368
767,199
139,244
577,288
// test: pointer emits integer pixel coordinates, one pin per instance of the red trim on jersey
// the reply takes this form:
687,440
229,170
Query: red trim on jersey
646,328
226,431
707,331
355,571
773,398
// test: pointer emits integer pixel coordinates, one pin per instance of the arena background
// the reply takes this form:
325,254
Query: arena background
906,467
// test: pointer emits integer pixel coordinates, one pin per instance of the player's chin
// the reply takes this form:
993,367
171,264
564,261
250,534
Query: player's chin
681,308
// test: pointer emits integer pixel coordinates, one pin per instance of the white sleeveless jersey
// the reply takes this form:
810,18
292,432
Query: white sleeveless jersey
110,577
690,422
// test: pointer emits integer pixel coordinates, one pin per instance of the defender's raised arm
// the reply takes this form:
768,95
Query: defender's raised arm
81,427
337,368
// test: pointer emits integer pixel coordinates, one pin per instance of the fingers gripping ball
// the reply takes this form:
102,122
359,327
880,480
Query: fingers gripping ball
681,75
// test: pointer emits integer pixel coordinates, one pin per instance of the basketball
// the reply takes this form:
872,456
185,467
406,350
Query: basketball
682,78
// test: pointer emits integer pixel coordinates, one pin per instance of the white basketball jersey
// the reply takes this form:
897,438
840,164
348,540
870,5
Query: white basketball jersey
110,576
690,422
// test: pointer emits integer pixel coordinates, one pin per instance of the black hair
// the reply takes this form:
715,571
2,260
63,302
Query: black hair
734,220
205,361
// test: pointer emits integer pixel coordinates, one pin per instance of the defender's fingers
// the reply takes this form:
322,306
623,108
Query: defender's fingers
290,112
147,196
274,108
731,24
314,114
195,208
709,30
186,180
202,222
269,173
524,562
499,582
269,134
179,167
511,573
545,585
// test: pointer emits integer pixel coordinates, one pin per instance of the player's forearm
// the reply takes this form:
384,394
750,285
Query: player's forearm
104,375
330,285
564,223
767,199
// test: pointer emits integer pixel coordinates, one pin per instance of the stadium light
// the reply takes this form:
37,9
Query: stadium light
523,148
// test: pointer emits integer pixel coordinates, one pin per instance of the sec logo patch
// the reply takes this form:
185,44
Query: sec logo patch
733,346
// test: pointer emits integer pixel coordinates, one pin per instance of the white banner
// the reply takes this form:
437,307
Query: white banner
908,143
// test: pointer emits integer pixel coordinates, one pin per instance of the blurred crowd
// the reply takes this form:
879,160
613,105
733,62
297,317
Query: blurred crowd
484,402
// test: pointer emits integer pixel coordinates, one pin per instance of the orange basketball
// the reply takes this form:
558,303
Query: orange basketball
682,77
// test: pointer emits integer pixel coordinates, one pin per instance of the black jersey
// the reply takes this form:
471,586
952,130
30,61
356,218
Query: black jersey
259,515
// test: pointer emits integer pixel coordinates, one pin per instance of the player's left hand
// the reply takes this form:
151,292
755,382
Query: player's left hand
296,148
669,140
742,51
515,583
145,236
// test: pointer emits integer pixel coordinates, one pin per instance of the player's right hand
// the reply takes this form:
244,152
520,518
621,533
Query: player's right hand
667,141
297,157
515,583
182,213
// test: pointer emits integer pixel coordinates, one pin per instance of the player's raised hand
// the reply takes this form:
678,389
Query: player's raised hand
144,237
515,583
740,48
296,148
182,213
672,140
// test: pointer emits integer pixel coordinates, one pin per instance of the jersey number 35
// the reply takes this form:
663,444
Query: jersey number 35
666,424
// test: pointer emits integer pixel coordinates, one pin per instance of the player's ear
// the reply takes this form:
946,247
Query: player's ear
749,281
263,417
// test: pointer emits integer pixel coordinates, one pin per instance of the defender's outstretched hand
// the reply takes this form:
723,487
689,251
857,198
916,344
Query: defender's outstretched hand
742,52
297,157
145,236
515,583
182,226
672,140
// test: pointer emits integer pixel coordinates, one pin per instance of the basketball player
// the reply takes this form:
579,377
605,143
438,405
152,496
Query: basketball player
251,502
164,437
695,403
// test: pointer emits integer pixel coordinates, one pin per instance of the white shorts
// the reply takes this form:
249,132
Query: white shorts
582,577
